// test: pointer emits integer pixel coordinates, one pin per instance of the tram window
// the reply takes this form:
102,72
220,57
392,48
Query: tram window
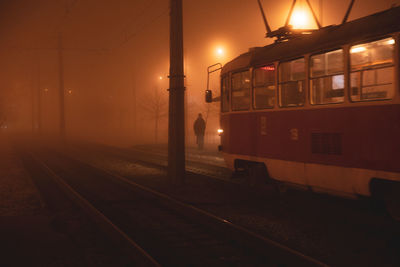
225,94
241,90
372,70
292,83
264,87
327,78
374,84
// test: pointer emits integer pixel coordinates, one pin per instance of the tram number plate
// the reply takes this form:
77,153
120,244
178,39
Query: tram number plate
294,134
263,125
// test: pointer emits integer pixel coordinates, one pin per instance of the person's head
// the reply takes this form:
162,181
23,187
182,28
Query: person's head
200,115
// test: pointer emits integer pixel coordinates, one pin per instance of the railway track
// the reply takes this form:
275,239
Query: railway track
158,229
158,158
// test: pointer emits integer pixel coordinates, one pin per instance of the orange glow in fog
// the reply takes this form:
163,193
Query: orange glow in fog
220,51
301,19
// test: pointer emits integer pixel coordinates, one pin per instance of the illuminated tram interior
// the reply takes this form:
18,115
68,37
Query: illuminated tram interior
371,76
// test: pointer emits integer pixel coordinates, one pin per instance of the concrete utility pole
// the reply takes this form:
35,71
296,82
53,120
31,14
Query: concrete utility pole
61,86
176,123
33,103
39,96
133,113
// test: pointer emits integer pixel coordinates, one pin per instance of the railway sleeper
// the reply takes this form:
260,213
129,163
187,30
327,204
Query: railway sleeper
388,193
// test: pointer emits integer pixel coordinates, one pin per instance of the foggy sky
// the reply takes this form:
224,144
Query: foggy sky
116,50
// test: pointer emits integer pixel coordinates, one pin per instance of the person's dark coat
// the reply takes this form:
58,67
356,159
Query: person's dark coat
199,126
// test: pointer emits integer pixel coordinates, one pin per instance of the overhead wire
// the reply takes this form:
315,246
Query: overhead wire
144,26
128,37
141,13
71,4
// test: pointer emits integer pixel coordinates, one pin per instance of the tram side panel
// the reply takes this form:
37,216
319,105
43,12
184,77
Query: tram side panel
351,145
335,149
241,136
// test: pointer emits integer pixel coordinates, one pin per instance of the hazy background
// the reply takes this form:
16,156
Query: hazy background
116,61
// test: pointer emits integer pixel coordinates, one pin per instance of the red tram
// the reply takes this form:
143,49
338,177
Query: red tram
321,110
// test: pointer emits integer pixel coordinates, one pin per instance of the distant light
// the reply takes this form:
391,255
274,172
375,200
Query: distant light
220,131
160,77
220,51
358,49
46,89
69,91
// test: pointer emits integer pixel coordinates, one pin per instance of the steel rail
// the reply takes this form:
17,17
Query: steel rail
252,239
135,252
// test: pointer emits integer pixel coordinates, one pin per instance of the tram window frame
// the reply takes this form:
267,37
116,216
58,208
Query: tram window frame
244,101
225,95
267,88
299,84
327,93
378,70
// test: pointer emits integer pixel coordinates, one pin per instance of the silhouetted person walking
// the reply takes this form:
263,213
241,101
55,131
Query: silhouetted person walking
199,127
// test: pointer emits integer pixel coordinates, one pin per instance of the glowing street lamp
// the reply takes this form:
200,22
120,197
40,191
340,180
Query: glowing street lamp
220,51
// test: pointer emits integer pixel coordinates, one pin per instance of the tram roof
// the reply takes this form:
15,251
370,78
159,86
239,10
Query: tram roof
326,38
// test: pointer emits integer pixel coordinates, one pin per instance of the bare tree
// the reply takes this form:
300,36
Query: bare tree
7,107
3,117
155,107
